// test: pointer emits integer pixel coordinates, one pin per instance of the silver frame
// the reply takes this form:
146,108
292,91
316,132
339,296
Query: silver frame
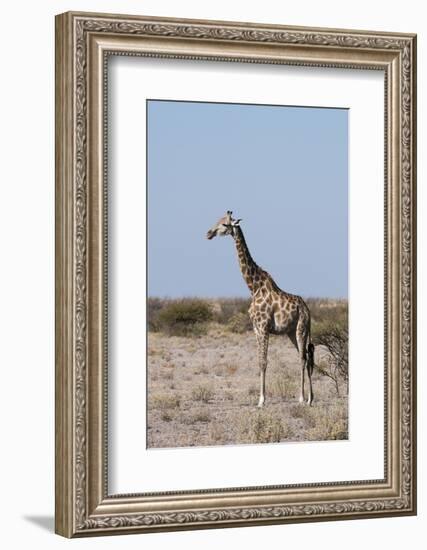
83,43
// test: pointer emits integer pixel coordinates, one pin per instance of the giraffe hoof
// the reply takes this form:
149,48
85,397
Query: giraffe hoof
302,399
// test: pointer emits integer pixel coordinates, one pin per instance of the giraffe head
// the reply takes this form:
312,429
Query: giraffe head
225,226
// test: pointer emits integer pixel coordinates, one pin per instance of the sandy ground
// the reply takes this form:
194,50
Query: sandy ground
204,391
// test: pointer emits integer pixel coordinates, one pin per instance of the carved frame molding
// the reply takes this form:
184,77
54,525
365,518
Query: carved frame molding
83,41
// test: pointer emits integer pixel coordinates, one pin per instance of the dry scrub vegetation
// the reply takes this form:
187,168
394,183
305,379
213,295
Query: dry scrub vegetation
203,376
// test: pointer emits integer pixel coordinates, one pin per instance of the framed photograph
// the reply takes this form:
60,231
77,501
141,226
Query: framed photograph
235,274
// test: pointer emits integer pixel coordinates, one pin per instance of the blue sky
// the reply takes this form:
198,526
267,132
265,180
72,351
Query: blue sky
283,170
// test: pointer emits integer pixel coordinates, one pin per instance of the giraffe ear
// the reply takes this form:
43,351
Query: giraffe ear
237,222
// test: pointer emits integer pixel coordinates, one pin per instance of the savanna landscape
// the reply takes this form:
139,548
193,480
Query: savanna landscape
203,376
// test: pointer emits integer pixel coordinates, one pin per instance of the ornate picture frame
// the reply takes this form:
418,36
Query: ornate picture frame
84,506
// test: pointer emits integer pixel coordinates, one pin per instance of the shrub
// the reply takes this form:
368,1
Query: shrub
229,395
263,427
166,416
282,386
334,338
201,370
325,310
216,433
229,307
184,317
165,401
301,411
239,323
327,423
202,393
154,306
201,416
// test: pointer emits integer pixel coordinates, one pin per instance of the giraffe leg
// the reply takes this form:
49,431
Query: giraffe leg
305,365
302,340
262,340
309,365
310,388
293,338
302,394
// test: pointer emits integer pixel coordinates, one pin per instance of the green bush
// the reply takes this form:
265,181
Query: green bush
239,323
154,307
184,317
325,310
230,307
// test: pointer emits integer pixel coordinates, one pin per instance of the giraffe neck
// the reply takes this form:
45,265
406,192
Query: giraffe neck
250,270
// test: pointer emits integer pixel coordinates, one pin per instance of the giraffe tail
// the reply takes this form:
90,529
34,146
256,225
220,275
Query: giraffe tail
310,358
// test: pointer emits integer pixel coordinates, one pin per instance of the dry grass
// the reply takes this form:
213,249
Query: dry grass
283,386
202,393
204,390
261,426
330,423
166,416
201,416
165,401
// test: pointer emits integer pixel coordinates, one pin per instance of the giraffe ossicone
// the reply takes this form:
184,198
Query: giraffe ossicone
272,310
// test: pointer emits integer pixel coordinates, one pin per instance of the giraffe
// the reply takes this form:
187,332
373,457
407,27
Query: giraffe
272,311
